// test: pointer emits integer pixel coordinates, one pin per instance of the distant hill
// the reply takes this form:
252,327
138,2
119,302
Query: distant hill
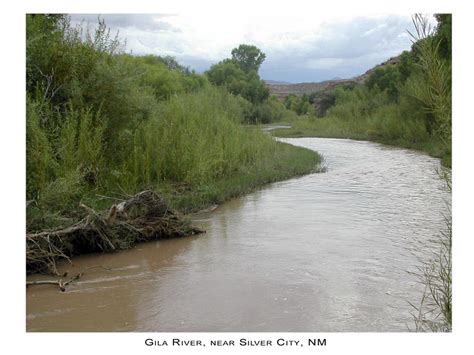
282,90
276,82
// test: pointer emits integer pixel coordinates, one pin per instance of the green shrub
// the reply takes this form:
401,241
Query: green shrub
100,122
195,138
41,165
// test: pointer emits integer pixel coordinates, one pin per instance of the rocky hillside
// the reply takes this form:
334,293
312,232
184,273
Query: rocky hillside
283,90
389,62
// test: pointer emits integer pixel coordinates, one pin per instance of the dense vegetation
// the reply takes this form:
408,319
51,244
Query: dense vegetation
104,123
239,75
407,104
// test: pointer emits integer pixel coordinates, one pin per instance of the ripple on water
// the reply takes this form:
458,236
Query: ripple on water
322,252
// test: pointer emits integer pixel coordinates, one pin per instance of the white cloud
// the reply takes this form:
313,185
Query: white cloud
304,48
324,63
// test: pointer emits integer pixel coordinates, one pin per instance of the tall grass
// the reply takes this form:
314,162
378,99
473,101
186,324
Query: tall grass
370,114
434,92
364,114
434,312
193,141
103,123
62,163
195,138
433,88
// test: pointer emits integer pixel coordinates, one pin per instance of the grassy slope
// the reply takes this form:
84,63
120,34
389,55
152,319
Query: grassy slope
290,161
287,161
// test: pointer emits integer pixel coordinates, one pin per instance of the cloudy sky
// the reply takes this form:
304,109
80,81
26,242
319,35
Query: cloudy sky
298,49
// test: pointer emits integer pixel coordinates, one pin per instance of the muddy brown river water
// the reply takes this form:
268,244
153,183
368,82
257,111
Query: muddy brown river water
324,252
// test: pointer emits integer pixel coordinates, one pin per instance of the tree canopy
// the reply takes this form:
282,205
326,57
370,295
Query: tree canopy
443,31
387,79
248,57
239,74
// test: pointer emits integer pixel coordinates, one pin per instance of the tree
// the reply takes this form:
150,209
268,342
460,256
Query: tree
385,78
406,66
225,72
248,57
443,32
43,34
229,73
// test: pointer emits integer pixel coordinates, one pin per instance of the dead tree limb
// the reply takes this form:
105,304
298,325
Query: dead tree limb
142,217
62,284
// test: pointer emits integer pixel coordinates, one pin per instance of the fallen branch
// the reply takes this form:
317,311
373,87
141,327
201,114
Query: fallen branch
145,216
60,283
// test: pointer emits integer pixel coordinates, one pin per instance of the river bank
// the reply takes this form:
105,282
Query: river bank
290,161
332,127
91,230
322,252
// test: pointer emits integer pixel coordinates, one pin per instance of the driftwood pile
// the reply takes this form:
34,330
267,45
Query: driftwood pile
143,217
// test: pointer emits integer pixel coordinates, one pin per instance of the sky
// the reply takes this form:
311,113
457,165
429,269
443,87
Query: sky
298,49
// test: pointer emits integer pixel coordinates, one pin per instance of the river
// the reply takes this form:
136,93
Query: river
325,252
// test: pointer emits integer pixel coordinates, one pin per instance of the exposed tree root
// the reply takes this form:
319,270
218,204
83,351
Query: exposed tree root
142,217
